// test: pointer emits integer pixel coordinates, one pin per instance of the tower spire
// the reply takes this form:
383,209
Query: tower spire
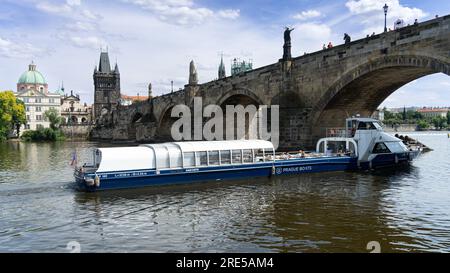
104,66
222,73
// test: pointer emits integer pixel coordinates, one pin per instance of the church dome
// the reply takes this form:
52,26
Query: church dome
32,76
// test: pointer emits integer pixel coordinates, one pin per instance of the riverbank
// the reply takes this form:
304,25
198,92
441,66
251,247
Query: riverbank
408,128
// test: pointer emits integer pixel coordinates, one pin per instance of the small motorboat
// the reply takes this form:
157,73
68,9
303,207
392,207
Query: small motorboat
362,144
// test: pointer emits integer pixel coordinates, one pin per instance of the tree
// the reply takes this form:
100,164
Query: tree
18,117
439,122
388,114
53,117
12,113
423,125
448,117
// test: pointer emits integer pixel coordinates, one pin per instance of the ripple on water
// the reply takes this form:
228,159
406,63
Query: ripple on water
406,210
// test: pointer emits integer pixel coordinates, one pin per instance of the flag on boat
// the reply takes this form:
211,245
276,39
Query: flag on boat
74,158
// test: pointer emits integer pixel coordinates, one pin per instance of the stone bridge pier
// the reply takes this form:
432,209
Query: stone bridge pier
314,92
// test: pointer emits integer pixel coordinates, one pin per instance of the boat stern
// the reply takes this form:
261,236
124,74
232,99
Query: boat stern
85,180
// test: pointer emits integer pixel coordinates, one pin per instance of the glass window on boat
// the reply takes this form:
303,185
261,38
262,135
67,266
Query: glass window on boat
236,156
269,154
202,159
351,148
97,158
378,126
259,155
381,148
396,147
214,158
366,126
189,159
225,157
248,156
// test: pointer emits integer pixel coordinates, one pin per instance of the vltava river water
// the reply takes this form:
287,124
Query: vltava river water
404,210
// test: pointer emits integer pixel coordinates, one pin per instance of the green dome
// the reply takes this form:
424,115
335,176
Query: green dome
32,76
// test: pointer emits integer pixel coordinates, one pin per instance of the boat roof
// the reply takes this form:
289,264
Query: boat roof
123,158
150,156
364,119
197,146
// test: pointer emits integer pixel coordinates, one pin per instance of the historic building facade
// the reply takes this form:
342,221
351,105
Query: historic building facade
106,88
73,111
32,89
434,112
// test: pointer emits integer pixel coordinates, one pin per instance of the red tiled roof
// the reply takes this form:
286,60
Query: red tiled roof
431,110
134,98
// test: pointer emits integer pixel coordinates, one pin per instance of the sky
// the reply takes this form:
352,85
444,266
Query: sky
154,40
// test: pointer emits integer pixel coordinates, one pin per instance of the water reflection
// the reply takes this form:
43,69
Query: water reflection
404,210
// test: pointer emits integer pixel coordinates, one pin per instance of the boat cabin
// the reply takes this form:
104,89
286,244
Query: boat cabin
361,124
181,155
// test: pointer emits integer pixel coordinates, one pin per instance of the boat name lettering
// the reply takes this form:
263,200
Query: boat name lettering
297,169
130,174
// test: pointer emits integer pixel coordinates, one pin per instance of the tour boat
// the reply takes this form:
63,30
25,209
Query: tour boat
362,144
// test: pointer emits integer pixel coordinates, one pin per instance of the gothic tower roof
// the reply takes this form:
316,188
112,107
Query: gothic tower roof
222,73
104,65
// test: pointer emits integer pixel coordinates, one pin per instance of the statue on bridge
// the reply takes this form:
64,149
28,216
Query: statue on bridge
193,77
287,35
287,44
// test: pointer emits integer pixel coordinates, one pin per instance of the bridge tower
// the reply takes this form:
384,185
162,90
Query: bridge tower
106,87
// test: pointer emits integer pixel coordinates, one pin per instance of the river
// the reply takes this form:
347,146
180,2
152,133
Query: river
406,210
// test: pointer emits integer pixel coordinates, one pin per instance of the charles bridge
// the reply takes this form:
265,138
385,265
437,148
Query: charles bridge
314,91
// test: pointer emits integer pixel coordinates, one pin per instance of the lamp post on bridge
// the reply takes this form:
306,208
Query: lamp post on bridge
385,8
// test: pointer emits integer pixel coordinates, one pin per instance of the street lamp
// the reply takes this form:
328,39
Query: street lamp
385,8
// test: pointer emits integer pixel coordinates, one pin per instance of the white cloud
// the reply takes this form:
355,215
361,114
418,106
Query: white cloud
92,42
19,50
81,26
311,36
87,14
305,15
73,2
370,12
54,8
229,13
182,12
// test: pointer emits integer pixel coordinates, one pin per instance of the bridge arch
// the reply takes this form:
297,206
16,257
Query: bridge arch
136,118
244,95
165,122
362,89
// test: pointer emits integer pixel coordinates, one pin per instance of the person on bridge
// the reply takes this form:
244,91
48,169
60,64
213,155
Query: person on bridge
347,38
330,45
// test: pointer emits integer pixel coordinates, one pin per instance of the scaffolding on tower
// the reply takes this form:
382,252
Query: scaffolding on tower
238,66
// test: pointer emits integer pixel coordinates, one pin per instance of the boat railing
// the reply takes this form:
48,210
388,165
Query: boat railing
338,132
299,155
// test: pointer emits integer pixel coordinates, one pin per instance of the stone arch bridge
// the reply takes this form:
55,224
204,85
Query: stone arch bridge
315,91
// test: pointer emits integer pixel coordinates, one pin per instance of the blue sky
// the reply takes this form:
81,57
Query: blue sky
154,40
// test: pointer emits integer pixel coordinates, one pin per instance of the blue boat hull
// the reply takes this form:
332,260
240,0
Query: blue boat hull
144,178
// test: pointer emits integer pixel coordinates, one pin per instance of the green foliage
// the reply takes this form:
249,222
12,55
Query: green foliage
439,122
12,113
41,134
423,124
53,117
414,117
